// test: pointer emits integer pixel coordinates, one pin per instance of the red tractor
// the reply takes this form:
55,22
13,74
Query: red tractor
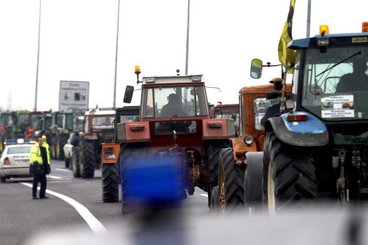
174,122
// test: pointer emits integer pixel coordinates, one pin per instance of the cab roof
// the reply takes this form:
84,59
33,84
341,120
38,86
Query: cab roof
172,79
345,39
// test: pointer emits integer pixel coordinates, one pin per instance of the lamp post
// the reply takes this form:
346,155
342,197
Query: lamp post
38,55
187,45
309,17
116,53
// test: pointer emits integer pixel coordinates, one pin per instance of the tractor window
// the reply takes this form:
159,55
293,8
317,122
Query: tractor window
201,102
264,109
242,112
69,121
174,102
185,101
48,122
103,121
148,103
331,89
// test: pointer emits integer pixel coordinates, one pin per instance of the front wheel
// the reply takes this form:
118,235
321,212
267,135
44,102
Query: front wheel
291,174
87,159
230,182
110,186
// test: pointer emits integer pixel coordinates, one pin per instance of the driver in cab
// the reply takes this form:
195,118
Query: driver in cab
174,107
355,81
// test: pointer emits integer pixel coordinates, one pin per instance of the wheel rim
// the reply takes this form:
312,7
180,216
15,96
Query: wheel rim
271,200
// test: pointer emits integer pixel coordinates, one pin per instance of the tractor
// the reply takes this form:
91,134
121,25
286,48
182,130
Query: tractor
110,155
98,128
183,133
254,102
316,149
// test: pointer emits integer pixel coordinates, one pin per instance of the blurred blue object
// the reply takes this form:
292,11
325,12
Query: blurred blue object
152,182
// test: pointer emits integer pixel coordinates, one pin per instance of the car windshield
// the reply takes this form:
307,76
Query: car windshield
19,149
335,84
174,102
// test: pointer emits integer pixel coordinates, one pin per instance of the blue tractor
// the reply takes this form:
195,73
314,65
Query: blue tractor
316,146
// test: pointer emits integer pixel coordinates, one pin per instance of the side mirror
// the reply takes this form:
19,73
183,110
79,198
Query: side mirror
128,94
256,68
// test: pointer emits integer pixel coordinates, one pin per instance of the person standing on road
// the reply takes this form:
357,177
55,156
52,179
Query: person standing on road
40,166
75,139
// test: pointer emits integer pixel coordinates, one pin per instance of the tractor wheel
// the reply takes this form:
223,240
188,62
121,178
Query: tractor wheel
253,180
75,162
213,152
215,200
127,154
110,192
87,159
230,182
291,174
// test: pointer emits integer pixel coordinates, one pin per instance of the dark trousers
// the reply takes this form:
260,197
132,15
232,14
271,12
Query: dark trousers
39,178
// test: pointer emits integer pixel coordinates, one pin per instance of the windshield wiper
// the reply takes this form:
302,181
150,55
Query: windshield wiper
338,63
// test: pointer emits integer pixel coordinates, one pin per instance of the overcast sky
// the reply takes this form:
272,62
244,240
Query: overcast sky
78,43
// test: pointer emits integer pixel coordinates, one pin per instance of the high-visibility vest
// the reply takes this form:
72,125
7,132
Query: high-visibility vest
36,153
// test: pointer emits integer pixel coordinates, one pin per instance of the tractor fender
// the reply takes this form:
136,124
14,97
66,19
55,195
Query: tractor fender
311,132
132,132
218,128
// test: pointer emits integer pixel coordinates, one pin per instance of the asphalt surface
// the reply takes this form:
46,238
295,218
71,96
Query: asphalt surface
75,214
74,206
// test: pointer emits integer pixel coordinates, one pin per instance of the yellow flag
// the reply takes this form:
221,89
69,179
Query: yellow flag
287,56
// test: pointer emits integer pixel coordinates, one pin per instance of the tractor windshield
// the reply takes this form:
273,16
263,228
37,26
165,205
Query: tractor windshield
185,101
335,83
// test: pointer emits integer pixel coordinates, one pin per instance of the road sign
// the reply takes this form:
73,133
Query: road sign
74,95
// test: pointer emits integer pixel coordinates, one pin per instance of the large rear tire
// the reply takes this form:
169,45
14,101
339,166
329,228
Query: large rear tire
230,182
110,192
215,200
87,159
128,154
289,174
213,152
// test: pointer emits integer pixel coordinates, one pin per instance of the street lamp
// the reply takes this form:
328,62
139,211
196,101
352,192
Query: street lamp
187,46
116,53
38,55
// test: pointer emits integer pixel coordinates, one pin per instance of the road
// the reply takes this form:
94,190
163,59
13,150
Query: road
73,203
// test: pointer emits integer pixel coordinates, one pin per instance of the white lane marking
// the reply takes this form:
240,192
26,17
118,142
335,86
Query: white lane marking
95,225
204,195
54,177
62,169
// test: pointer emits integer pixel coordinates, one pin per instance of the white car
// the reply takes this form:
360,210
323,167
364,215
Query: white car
14,161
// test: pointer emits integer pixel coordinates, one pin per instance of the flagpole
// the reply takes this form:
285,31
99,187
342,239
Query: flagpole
309,17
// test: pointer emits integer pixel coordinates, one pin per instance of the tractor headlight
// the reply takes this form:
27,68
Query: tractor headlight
248,139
